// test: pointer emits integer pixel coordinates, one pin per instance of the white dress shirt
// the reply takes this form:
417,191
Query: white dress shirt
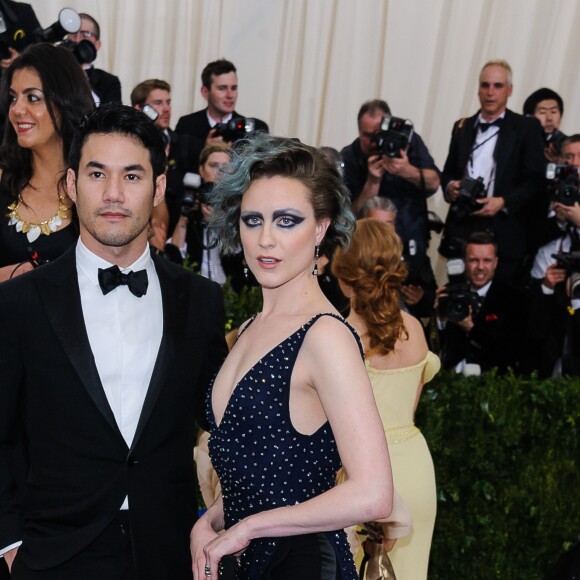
481,161
124,333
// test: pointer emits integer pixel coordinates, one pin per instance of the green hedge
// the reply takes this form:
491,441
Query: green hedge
505,451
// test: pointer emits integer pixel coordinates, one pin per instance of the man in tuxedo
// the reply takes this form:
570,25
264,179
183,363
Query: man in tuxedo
219,88
506,151
106,87
492,334
106,355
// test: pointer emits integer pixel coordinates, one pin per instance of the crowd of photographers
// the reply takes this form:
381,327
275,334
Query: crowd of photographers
510,238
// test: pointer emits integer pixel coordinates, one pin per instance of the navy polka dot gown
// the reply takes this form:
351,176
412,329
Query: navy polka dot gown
264,463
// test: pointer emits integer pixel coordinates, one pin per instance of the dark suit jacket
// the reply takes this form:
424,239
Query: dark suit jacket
197,126
497,337
80,467
520,163
105,85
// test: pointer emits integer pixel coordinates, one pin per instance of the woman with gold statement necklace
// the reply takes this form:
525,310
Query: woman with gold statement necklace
44,97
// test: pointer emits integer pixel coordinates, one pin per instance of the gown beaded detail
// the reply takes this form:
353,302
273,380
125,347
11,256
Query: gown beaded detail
264,463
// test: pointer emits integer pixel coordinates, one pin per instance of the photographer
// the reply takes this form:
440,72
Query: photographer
191,237
554,291
481,320
407,178
547,106
418,289
219,88
505,150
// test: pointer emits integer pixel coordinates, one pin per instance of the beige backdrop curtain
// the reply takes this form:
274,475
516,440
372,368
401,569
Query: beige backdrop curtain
305,66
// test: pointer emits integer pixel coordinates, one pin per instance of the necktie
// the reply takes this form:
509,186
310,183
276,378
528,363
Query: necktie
112,277
485,126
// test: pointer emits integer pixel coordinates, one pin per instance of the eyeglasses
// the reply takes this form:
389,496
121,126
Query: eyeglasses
86,34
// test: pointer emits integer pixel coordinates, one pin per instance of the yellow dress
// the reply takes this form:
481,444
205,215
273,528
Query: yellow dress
413,473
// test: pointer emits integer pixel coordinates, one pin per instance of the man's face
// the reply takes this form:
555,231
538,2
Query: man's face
87,32
382,215
548,113
210,170
222,95
571,153
160,100
480,264
114,194
367,127
494,91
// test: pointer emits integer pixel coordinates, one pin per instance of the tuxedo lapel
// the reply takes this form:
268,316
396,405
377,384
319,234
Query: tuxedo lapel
59,290
503,148
175,294
466,141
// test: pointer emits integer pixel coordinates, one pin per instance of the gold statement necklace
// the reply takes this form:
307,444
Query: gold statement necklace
46,227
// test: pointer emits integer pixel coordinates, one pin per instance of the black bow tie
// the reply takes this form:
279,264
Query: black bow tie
112,277
485,126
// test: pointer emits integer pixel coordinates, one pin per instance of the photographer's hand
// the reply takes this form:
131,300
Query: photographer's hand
212,137
554,275
6,62
425,179
467,323
452,191
412,294
570,213
373,182
490,206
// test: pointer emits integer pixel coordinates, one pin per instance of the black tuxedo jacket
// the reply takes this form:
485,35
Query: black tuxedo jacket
498,334
105,85
197,127
519,179
79,466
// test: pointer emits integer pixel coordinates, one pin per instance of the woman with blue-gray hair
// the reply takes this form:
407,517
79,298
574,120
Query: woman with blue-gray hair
292,402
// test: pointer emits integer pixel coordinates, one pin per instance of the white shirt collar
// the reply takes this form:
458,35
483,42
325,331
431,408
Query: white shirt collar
213,122
480,119
90,263
484,289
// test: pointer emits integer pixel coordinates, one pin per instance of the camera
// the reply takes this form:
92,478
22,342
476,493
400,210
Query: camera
564,183
393,135
470,190
556,139
194,193
570,262
234,129
459,299
150,112
417,275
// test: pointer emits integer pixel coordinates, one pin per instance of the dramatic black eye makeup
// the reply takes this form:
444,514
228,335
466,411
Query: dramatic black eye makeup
284,218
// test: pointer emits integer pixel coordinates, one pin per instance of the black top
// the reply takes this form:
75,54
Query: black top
15,247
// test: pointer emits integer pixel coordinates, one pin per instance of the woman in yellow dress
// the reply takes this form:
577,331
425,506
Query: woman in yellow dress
370,273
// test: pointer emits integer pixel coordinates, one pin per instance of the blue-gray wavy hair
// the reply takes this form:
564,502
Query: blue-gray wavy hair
262,156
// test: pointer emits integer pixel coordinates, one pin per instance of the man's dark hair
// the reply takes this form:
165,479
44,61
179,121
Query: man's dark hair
94,22
115,119
484,238
371,107
540,95
142,91
217,68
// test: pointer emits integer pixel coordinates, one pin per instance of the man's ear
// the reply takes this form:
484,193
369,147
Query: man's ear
204,92
71,184
160,185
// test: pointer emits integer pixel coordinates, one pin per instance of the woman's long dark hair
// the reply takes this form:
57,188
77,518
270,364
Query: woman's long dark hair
68,99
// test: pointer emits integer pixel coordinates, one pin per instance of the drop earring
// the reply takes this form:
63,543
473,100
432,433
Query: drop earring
316,253
246,272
